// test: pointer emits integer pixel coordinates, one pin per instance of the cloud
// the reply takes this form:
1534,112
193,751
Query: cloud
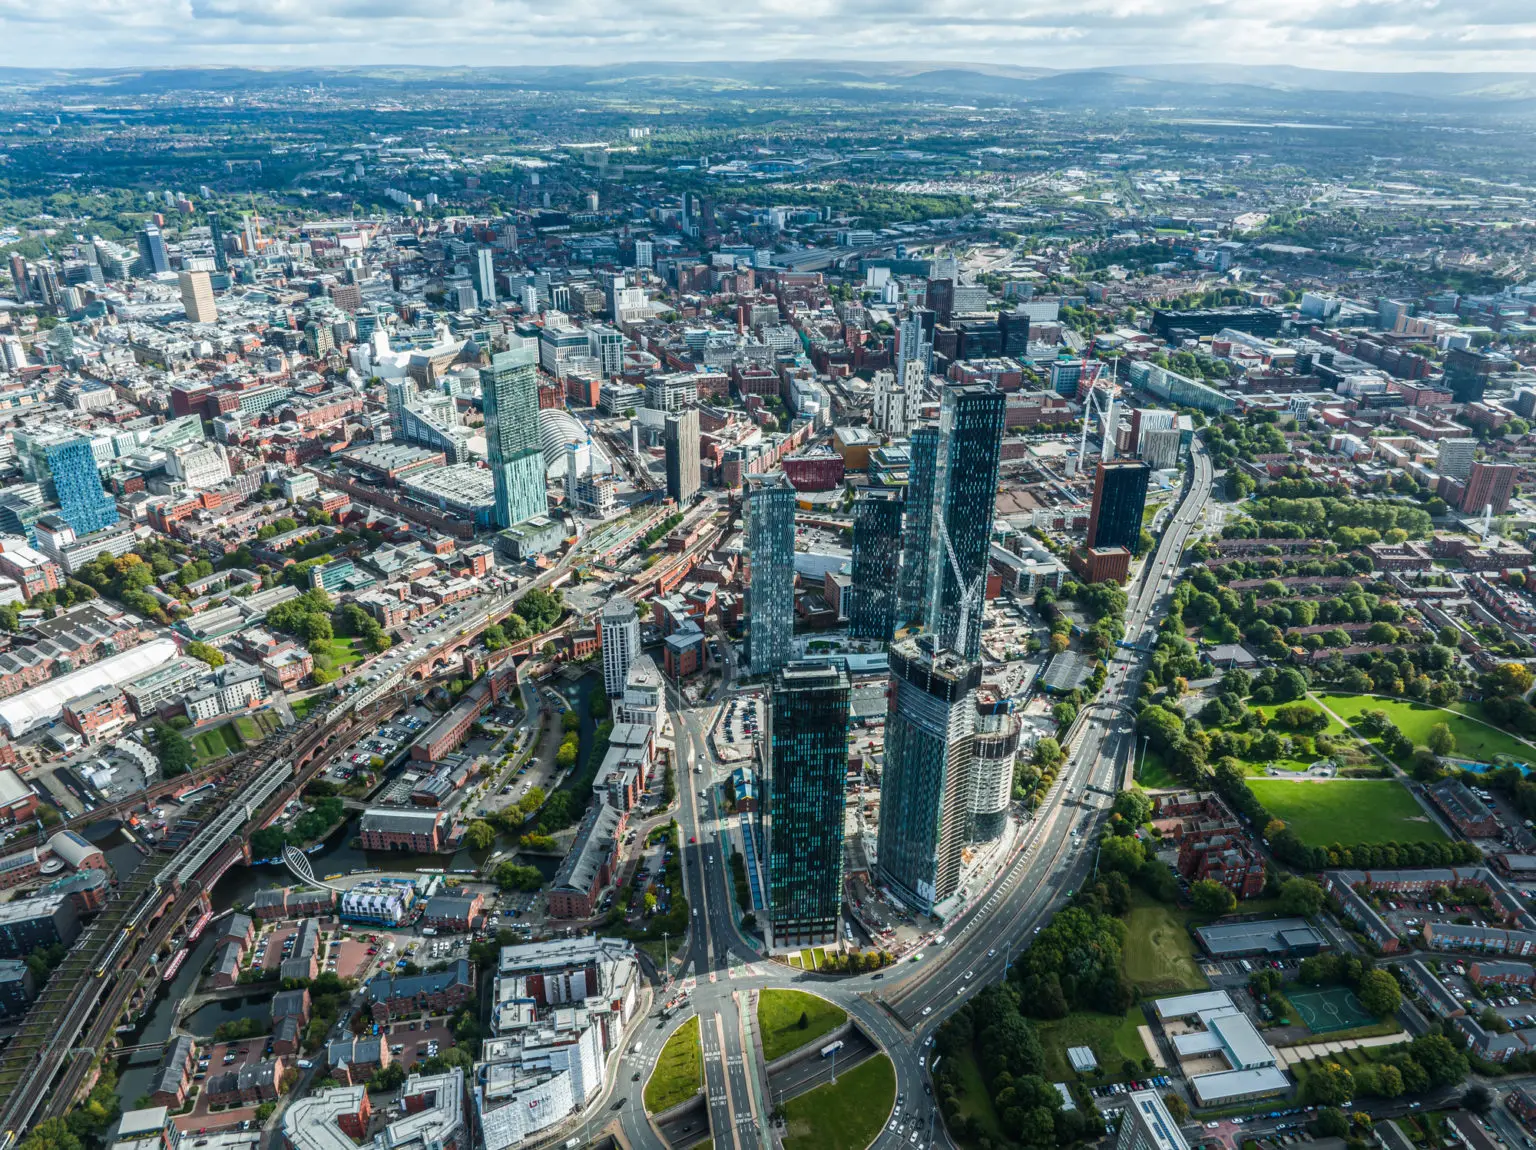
1367,35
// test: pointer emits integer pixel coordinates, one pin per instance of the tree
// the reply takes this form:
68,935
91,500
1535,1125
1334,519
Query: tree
1122,854
1064,713
1331,1123
1300,896
1379,993
1478,1098
1047,753
1440,739
1511,679
480,835
1178,1109
1211,898
175,753
1133,806
210,655
1330,1084
804,1020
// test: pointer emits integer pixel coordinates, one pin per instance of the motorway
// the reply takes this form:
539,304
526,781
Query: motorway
901,1011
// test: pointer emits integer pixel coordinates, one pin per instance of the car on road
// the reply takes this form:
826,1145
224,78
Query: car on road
927,1010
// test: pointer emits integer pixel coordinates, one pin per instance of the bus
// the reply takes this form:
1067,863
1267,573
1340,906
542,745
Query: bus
831,1048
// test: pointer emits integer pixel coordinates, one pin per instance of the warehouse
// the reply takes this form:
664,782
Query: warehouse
1266,938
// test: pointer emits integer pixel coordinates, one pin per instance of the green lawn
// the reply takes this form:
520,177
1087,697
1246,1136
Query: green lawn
216,742
1158,955
302,707
1153,774
1113,1038
679,1072
844,1116
1346,811
335,654
778,1020
1474,740
973,1100
255,727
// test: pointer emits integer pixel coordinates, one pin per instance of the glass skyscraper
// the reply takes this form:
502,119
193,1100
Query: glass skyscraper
808,767
83,503
510,393
152,251
964,495
876,564
923,448
926,788
771,589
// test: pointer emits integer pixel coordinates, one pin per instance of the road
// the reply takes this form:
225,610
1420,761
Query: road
900,1010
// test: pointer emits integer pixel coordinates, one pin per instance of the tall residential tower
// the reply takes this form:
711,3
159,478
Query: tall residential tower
510,394
807,769
771,588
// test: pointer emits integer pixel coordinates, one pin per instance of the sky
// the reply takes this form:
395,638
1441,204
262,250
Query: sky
1358,35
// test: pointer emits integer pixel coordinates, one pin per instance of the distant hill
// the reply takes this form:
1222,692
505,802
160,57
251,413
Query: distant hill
1215,87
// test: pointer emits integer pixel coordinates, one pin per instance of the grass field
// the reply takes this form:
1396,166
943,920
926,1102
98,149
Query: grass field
1158,954
302,707
679,1072
1153,774
974,1101
216,742
254,727
1346,811
845,1116
778,1020
1114,1039
1474,740
337,654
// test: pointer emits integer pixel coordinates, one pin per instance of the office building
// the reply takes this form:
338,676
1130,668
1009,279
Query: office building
1489,485
76,484
1145,1124
923,449
485,274
1119,498
1455,459
644,254
197,297
680,437
771,586
925,792
619,637
964,495
510,394
807,769
152,254
1466,374
876,565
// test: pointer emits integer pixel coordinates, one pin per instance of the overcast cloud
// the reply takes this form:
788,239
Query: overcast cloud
1364,35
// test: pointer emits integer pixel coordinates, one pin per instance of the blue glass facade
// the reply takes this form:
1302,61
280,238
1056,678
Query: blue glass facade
924,451
805,790
964,496
510,394
83,503
926,787
771,591
876,565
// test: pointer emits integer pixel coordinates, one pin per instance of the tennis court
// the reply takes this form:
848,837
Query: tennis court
1328,1009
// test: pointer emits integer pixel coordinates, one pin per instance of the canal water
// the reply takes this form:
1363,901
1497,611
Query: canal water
239,886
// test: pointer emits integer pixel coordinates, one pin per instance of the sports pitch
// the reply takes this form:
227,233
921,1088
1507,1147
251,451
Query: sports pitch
1329,1009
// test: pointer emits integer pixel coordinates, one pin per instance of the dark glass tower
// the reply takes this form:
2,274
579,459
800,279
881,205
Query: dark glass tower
1119,498
964,496
924,450
808,767
876,564
771,588
926,788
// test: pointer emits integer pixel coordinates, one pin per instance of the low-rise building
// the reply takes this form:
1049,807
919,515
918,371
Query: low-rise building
439,992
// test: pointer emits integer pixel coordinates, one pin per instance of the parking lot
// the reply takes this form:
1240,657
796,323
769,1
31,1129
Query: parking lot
1408,917
741,720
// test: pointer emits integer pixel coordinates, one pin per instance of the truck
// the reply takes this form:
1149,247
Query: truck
831,1048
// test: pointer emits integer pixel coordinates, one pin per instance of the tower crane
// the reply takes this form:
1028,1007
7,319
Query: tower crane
971,597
